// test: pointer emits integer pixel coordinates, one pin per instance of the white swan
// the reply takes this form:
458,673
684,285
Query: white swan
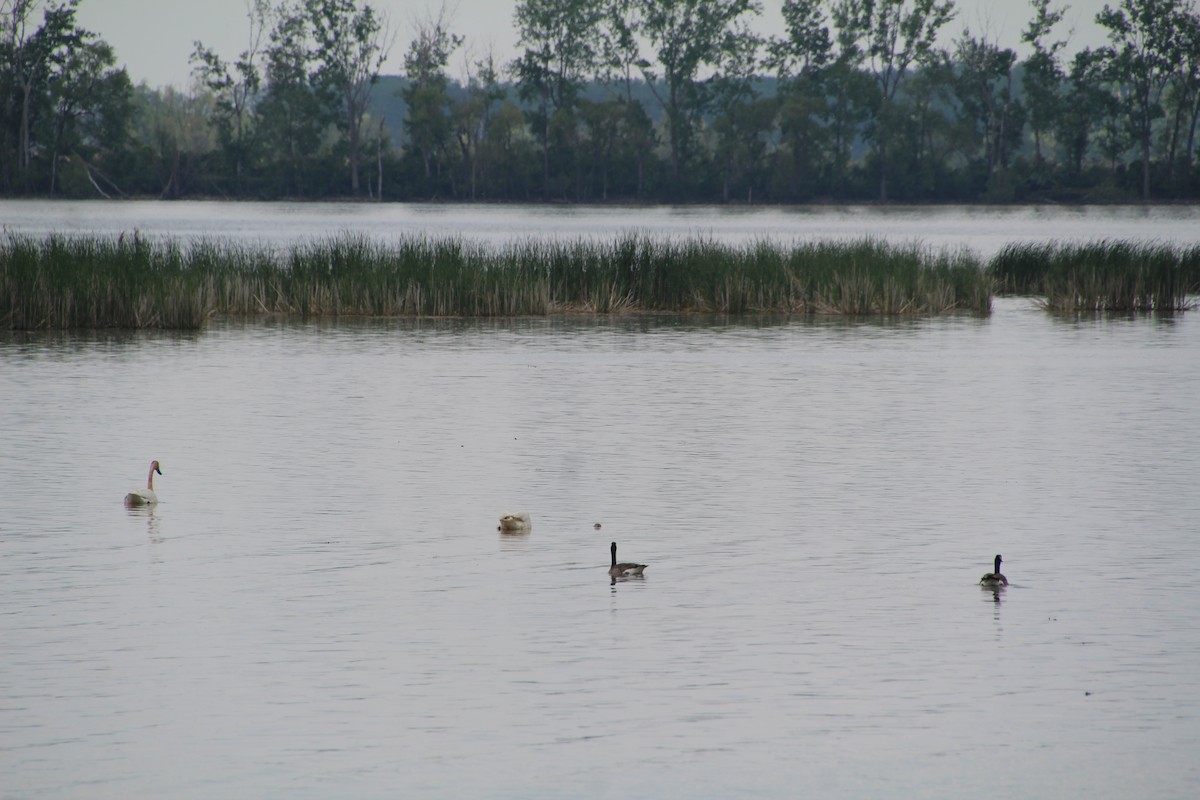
144,497
516,523
625,568
993,580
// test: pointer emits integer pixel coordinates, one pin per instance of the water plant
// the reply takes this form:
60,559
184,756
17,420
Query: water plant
135,282
1101,276
89,282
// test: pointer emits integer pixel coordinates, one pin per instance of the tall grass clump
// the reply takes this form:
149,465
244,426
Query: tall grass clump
1101,276
63,282
872,277
867,277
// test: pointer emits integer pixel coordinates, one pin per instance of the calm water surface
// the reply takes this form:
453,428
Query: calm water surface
983,229
321,605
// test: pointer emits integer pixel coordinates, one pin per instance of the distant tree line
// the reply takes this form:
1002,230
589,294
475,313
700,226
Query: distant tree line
616,100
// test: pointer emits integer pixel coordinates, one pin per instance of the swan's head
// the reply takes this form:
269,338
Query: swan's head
155,468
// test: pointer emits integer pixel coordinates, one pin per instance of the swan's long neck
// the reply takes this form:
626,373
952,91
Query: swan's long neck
150,480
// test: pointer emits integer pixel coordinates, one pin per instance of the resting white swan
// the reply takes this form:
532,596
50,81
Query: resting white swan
144,497
624,568
995,579
516,523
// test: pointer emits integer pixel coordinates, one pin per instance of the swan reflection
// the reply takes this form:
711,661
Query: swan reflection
152,521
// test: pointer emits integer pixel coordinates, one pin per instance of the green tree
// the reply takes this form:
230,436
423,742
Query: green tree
686,36
890,36
618,143
1142,55
235,87
509,152
601,125
351,43
1182,98
30,60
1042,75
931,135
293,115
472,116
801,63
91,101
984,88
1082,94
851,103
742,120
428,122
178,132
560,49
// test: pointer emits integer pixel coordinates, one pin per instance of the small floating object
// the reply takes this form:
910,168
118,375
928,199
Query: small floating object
516,523
144,497
624,569
597,526
994,580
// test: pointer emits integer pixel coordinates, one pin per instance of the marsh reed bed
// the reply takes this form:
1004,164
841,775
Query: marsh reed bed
135,282
66,282
1101,276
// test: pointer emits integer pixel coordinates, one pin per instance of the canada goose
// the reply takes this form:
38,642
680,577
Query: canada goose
516,523
623,569
994,579
144,497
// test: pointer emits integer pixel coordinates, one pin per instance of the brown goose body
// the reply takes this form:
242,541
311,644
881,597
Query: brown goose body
994,579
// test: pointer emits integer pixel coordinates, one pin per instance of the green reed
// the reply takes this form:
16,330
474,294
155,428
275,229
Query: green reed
89,282
132,282
1101,276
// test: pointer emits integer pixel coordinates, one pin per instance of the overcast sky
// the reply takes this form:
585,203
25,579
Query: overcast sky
154,38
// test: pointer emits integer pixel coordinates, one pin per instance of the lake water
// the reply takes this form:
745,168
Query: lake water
321,604
983,229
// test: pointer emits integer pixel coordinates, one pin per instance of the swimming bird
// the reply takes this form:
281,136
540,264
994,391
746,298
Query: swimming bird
144,497
994,579
625,568
516,523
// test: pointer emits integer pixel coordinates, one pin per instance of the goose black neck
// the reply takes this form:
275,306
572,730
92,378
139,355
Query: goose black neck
613,550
